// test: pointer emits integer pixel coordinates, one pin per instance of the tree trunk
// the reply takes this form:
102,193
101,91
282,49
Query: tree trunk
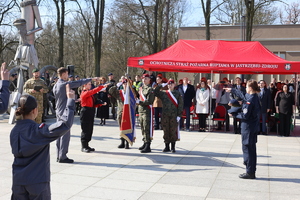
101,31
155,26
96,42
99,15
249,18
165,37
60,23
207,12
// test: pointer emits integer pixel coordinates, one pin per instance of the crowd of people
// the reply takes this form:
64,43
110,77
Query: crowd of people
161,104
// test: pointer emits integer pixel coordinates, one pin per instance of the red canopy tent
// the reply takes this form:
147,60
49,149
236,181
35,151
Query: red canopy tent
206,56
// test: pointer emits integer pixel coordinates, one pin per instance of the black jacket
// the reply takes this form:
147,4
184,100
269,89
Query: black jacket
265,100
285,103
188,95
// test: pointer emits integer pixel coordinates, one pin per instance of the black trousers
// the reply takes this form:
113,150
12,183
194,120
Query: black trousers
213,106
87,116
188,118
227,116
157,110
250,157
35,191
285,124
202,120
237,126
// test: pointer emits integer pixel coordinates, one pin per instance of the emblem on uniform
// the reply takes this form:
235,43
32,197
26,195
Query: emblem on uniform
41,125
287,66
141,62
248,103
245,110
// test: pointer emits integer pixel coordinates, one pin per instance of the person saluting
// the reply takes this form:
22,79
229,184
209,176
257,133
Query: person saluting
30,144
171,113
249,116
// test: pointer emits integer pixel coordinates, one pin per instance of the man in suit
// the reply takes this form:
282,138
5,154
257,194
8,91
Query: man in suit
238,86
187,92
265,101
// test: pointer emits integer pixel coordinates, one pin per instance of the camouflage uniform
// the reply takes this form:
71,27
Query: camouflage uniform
112,100
115,93
169,113
144,112
30,83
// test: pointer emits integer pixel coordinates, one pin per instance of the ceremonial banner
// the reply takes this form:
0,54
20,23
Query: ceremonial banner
127,127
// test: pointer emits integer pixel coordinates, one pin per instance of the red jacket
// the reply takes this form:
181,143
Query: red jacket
87,99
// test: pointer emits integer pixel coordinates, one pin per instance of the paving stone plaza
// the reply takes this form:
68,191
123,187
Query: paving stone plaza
205,166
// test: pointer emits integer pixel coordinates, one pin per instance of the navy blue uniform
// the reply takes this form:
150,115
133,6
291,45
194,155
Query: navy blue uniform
249,128
30,146
4,95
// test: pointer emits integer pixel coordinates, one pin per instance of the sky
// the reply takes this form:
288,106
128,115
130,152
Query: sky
192,17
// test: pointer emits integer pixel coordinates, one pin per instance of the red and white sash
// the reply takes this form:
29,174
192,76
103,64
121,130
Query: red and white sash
143,98
172,98
175,102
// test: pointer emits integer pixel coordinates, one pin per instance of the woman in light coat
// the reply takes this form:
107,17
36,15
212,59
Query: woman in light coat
202,105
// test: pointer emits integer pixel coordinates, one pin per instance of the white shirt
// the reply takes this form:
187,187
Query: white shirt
184,88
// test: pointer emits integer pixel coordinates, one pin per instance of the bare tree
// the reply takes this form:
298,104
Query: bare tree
46,44
131,30
290,14
255,12
252,9
95,31
167,21
60,25
6,13
207,12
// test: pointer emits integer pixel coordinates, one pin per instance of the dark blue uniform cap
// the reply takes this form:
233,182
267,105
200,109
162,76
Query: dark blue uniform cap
234,103
234,109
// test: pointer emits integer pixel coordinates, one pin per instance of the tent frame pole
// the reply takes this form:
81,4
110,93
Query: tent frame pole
296,99
210,102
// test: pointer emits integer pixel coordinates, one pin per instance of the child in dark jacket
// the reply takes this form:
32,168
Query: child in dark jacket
30,146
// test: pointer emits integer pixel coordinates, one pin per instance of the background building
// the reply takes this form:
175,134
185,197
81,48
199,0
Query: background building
282,40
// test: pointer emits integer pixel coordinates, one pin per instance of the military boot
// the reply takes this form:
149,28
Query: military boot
167,148
147,148
142,147
122,145
126,145
173,147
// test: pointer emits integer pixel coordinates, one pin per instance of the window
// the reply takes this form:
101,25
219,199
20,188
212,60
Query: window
280,54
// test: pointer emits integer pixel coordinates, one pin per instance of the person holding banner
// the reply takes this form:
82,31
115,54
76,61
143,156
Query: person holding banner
171,113
145,110
119,95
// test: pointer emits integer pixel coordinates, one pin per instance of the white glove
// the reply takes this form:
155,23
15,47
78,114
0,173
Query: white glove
119,84
177,118
164,84
137,101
